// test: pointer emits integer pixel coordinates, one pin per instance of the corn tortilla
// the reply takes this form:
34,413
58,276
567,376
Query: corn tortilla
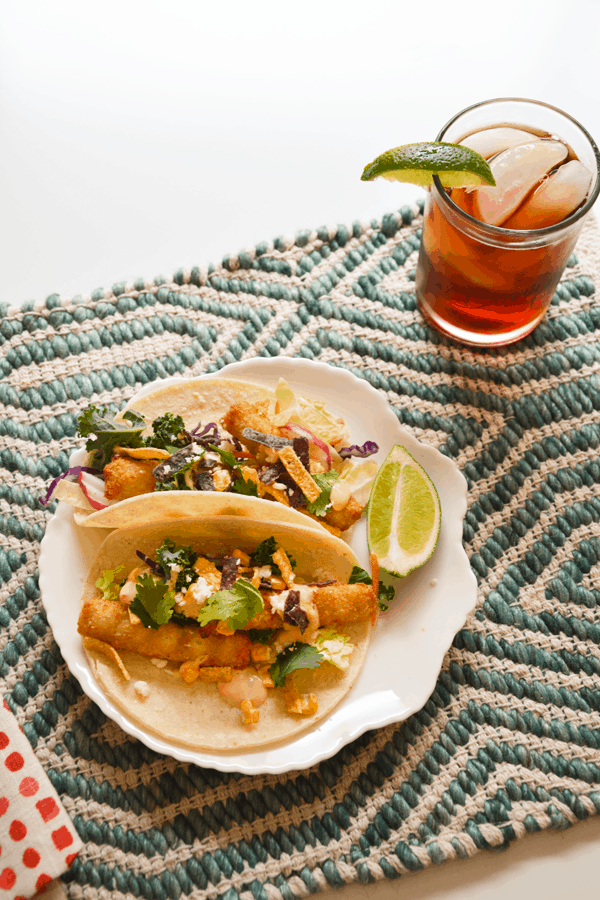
196,716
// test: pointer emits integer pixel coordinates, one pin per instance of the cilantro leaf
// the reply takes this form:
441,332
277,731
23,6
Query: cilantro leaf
387,592
153,602
244,486
325,481
228,459
359,576
168,433
296,656
236,606
106,583
170,554
177,483
261,635
103,433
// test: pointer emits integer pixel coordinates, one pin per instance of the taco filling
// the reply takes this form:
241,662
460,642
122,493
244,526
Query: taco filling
275,446
244,621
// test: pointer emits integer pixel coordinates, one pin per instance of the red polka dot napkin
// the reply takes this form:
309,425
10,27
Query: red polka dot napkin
37,839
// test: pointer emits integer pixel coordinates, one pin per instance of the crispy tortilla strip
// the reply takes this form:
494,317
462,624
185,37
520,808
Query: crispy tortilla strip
142,452
268,490
296,470
300,705
213,674
250,715
280,558
107,620
107,650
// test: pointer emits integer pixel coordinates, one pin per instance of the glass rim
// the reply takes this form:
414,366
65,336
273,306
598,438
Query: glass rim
523,233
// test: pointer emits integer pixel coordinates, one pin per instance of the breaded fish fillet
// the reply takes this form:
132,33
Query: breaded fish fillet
251,415
125,477
337,604
108,620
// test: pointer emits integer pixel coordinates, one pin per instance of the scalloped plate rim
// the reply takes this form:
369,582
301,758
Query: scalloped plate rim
384,707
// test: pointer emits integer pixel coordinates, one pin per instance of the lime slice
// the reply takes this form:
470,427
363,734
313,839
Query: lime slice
403,521
456,165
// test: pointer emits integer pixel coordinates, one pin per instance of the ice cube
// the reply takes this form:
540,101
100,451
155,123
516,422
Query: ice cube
516,171
495,140
556,198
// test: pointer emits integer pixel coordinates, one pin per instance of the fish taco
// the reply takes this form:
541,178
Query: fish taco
223,633
194,445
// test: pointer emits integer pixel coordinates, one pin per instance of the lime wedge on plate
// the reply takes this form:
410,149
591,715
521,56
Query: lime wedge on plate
403,521
454,164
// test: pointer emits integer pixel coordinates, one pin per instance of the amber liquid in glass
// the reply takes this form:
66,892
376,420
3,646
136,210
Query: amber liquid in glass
472,286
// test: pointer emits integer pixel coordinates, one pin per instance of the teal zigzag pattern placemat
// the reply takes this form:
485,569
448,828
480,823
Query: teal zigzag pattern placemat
508,742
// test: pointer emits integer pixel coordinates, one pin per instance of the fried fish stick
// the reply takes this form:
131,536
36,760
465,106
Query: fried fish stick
108,620
125,477
337,604
346,517
251,415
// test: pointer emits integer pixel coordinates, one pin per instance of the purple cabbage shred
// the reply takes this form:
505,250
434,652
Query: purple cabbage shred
206,434
151,563
367,449
73,470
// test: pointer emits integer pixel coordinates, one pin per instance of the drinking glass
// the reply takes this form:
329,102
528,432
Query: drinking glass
481,284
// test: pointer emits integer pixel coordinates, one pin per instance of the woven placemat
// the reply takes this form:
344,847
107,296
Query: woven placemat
508,742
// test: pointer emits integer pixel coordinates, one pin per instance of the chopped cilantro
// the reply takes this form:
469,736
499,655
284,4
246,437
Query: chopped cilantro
177,483
244,486
168,433
296,656
261,635
387,592
153,602
170,554
359,576
104,434
325,481
227,458
236,606
106,583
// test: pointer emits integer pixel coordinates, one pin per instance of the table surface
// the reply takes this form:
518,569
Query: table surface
140,137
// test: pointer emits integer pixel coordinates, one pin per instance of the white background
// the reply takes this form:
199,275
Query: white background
138,137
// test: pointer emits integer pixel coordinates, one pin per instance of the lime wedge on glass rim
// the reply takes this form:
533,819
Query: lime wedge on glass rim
404,514
454,164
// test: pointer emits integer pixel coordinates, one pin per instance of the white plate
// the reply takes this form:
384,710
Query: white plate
410,640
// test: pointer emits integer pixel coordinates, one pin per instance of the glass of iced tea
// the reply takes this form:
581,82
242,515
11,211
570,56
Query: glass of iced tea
491,257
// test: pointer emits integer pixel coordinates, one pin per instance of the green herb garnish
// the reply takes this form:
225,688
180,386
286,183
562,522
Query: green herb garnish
106,583
104,434
325,481
153,602
263,556
244,486
261,635
236,605
168,433
296,656
387,592
170,554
